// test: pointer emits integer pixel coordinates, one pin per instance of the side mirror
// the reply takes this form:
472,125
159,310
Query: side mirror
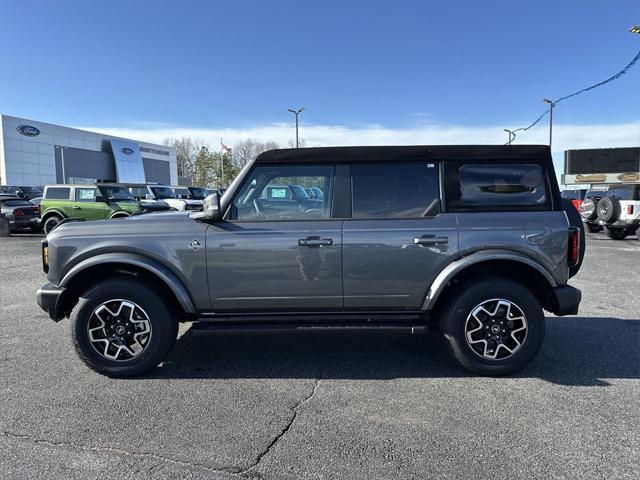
100,198
211,207
148,196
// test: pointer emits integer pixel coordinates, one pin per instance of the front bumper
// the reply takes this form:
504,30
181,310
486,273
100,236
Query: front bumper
51,300
566,300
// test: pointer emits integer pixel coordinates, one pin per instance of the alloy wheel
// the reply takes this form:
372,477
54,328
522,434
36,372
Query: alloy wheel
119,330
496,329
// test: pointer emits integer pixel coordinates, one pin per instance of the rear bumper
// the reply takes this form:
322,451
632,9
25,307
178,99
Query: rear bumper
567,300
17,223
50,299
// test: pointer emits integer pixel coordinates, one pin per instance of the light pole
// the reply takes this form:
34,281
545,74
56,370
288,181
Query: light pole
296,113
512,136
551,105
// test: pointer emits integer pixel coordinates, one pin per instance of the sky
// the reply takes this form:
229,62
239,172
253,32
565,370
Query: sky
367,72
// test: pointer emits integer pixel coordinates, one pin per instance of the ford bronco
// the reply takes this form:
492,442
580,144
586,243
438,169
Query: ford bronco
472,240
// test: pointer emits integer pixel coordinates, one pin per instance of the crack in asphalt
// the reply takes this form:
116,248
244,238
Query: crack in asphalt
246,472
118,451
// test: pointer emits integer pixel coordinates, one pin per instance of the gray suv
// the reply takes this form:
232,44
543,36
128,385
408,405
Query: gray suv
472,240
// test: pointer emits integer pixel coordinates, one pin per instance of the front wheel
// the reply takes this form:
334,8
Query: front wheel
50,223
494,326
122,328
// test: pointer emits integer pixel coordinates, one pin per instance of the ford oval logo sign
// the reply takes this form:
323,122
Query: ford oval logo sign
127,151
28,130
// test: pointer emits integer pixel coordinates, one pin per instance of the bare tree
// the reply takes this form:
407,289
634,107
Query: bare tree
246,150
186,152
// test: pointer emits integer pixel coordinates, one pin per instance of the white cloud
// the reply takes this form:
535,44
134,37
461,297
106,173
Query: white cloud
565,136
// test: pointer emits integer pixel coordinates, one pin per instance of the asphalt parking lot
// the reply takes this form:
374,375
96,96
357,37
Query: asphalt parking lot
318,405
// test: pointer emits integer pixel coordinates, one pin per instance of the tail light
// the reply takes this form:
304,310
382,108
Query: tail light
573,255
18,212
629,209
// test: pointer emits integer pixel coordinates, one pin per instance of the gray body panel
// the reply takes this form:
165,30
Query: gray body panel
164,238
260,265
384,268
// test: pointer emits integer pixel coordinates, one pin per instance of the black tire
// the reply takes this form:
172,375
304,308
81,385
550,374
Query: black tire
50,223
465,298
593,227
616,233
162,318
588,208
608,209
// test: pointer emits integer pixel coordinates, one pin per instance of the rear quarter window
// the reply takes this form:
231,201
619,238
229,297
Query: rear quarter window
57,193
497,186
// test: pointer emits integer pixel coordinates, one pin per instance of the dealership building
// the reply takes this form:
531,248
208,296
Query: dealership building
37,153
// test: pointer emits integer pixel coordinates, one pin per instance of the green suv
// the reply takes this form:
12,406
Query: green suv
86,202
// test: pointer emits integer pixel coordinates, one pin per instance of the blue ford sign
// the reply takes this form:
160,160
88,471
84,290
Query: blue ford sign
28,130
127,151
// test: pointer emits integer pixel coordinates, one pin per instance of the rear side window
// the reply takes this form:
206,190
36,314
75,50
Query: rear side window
497,186
57,193
394,190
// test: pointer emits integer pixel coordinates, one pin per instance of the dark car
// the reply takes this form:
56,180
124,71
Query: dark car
22,191
20,213
575,195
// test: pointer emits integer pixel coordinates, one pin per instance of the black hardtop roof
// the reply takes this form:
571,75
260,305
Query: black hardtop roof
405,153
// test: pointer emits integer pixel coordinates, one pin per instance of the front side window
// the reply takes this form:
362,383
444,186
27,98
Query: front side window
498,186
277,192
198,193
394,190
58,193
181,192
85,194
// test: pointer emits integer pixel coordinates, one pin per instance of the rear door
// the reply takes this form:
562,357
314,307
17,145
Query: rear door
397,240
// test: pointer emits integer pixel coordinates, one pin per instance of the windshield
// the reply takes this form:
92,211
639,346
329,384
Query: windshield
163,192
116,193
198,193
184,192
31,191
626,192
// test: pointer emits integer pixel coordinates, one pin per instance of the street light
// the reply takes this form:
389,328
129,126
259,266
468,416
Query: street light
512,136
551,105
635,29
296,113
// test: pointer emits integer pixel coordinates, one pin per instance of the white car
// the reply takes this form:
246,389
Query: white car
166,194
618,210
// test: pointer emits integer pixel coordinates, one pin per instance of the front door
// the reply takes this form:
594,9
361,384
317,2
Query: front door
274,253
397,240
85,205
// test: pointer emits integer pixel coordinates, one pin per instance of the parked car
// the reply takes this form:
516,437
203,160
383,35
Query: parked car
192,193
165,194
616,208
211,191
20,214
85,202
473,240
22,191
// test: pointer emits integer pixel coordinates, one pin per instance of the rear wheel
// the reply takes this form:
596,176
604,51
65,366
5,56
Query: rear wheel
50,223
122,327
494,326
616,233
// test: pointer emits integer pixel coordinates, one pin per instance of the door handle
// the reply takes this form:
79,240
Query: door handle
315,242
75,207
430,240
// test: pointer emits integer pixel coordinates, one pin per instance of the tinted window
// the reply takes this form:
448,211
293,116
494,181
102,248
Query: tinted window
116,193
502,186
270,193
394,190
163,192
85,194
58,193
